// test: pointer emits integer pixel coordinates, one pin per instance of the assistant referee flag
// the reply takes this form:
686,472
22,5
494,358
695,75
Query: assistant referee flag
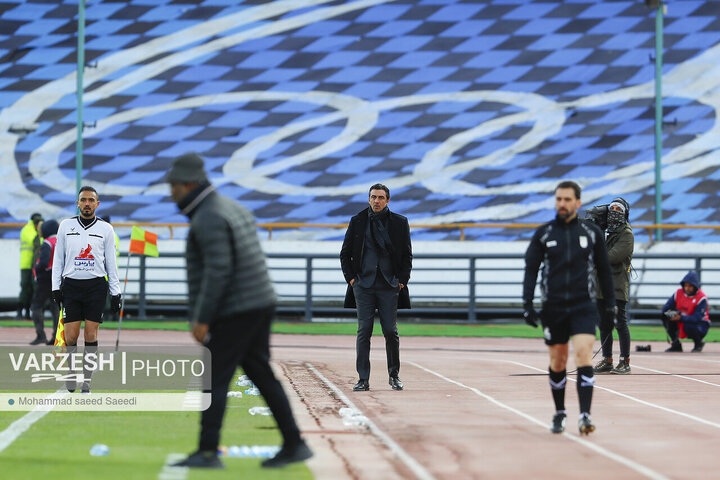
143,243
60,332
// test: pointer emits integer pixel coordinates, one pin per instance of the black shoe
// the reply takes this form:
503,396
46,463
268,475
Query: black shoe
85,387
206,459
38,341
603,366
289,455
585,424
698,346
50,342
361,386
558,423
395,383
675,347
623,368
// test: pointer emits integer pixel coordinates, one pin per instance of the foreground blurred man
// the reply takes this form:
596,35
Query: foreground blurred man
569,249
84,255
231,304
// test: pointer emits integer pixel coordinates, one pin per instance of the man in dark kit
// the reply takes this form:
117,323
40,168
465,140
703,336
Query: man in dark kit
376,259
231,303
569,249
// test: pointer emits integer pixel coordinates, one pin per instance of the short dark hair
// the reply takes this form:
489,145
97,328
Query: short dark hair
380,186
569,184
88,188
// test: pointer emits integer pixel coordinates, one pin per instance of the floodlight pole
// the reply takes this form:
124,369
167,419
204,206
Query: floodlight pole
658,114
80,71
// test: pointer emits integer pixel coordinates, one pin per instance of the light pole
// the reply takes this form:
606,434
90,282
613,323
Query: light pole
80,71
660,9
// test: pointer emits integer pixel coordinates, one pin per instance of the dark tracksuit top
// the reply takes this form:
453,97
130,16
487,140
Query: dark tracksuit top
568,253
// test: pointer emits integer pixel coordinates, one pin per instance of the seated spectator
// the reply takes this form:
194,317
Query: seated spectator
686,314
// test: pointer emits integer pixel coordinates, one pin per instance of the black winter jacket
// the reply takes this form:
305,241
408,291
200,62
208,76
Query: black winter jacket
568,253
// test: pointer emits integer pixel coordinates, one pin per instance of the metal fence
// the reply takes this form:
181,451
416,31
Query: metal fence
464,286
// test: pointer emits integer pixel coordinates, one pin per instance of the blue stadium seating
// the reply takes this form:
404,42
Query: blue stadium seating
469,111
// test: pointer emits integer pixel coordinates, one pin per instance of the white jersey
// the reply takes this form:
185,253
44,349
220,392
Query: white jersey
83,253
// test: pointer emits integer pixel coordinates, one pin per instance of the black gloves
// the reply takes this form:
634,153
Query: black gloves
115,303
530,315
57,296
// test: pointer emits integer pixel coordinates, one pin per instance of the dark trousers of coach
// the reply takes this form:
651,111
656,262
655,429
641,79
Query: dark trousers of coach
376,286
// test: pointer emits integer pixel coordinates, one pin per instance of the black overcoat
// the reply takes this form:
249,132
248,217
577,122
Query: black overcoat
352,250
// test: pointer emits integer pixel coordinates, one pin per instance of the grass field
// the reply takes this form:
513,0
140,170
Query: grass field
639,333
139,444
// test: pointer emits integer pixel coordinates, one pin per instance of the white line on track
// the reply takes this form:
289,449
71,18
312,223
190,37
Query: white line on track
630,397
173,473
677,375
642,469
22,424
409,461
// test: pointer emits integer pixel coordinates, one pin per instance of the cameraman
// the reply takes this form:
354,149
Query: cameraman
685,314
620,243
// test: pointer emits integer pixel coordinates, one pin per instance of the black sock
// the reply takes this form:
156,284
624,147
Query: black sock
557,387
71,351
585,382
91,349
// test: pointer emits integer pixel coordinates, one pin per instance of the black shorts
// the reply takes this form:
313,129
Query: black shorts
84,299
561,323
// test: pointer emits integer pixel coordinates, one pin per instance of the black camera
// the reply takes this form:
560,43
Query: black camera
598,215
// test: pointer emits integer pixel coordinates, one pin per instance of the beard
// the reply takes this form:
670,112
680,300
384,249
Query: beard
564,214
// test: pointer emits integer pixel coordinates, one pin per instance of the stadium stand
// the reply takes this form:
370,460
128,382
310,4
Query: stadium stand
469,111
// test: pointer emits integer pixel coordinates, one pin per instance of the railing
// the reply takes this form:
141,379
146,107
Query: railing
465,286
461,226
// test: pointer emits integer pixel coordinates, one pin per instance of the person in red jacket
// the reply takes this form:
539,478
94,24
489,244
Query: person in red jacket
42,270
686,314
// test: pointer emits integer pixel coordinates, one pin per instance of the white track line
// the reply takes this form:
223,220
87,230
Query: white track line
173,473
642,469
630,397
409,461
677,375
22,424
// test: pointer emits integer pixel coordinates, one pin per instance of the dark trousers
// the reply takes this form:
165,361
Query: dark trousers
383,298
26,289
694,330
244,340
606,328
41,295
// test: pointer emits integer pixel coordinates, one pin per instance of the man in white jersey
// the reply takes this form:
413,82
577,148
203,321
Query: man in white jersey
84,256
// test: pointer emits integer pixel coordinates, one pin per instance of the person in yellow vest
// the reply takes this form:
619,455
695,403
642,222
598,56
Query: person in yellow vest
30,243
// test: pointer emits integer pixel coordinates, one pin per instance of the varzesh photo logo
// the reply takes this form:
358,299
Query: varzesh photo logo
144,378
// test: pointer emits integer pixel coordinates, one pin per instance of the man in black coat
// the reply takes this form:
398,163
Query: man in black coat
376,259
